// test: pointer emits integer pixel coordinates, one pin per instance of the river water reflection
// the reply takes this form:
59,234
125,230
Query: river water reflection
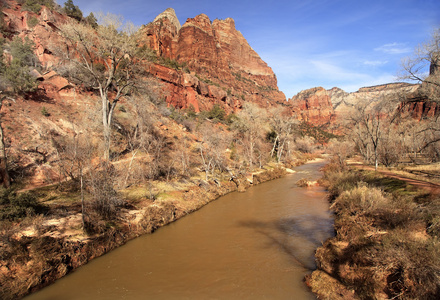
253,245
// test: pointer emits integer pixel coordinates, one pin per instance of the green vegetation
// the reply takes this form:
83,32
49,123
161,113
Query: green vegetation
32,22
91,20
15,206
239,77
217,113
207,81
35,5
44,112
17,72
386,236
3,28
73,11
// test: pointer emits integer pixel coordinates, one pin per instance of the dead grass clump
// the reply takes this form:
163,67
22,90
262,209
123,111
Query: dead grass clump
327,287
359,200
339,180
413,267
158,215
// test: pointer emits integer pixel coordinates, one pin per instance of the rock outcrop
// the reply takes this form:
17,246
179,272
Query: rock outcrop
314,106
43,32
223,69
420,109
343,101
326,107
160,35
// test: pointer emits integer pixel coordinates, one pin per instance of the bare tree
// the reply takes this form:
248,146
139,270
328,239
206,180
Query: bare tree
74,158
212,148
424,67
103,60
282,125
250,126
340,150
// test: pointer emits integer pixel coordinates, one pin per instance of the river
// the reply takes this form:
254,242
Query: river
253,245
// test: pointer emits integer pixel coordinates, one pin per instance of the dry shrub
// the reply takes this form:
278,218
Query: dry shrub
398,211
381,248
338,179
305,144
431,214
101,186
360,200
413,266
156,216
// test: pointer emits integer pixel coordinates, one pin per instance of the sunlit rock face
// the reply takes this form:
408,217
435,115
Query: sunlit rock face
223,68
313,106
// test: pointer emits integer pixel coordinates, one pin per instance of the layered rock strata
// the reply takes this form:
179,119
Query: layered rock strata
222,68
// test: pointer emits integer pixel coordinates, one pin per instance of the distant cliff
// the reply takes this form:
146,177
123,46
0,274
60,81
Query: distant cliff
323,107
313,106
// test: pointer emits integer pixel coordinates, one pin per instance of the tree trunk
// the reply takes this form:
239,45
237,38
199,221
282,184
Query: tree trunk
106,142
376,161
82,198
5,180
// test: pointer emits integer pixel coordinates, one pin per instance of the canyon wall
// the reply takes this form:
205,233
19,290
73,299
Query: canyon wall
217,64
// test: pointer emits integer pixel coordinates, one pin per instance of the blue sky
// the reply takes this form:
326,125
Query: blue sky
345,43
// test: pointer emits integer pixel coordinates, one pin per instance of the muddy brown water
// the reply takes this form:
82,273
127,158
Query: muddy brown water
254,245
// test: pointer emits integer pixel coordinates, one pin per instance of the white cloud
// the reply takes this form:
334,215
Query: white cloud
393,48
336,72
375,63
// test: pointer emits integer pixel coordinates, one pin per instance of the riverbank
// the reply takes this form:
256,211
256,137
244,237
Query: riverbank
386,244
36,254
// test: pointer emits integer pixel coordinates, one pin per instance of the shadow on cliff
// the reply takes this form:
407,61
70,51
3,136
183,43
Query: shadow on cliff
294,235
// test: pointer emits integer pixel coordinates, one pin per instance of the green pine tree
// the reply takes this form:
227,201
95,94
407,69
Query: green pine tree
72,10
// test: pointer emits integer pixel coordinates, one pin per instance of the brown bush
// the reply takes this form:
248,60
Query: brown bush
381,248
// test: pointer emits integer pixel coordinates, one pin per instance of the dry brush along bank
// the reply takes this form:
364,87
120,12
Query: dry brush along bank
36,254
386,244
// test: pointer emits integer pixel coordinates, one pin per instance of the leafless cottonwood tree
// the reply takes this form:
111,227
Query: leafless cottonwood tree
424,67
367,124
212,148
74,158
283,126
104,60
250,127
340,150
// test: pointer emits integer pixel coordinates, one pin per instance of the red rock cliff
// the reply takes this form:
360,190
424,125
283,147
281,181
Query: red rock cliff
219,59
313,106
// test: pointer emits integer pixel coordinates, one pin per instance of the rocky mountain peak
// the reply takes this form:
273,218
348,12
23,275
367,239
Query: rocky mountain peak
221,67
201,21
170,14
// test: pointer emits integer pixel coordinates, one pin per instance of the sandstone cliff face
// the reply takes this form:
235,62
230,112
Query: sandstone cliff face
162,32
313,106
343,101
215,54
43,33
420,109
327,107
